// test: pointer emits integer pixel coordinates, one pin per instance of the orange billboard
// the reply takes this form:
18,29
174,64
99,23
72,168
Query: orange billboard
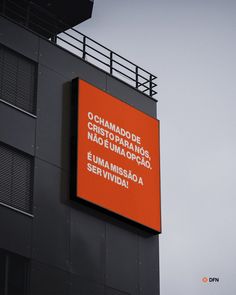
117,161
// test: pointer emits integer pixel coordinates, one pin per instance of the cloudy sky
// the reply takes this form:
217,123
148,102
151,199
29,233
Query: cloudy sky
191,46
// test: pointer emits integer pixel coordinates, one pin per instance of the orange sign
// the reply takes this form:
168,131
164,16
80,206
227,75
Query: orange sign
118,158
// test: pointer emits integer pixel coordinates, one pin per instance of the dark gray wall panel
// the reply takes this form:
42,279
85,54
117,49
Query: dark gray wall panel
47,280
69,65
51,217
111,291
93,246
17,129
18,39
148,265
52,135
122,259
80,286
131,96
87,245
15,231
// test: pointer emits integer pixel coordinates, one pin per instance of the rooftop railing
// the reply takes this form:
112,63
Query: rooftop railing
47,25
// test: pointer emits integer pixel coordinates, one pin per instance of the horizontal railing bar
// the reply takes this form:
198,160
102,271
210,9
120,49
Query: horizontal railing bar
70,44
153,91
153,77
73,29
97,59
143,84
154,84
145,87
144,78
87,46
139,75
72,37
111,51
123,66
148,81
123,58
146,90
124,74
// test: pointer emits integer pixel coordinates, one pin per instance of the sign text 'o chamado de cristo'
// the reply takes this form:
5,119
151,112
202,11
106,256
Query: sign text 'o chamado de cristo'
118,158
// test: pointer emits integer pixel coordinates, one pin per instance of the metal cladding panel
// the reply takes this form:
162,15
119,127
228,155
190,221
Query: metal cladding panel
111,291
131,96
96,254
80,286
51,217
46,280
17,129
148,265
2,271
52,134
69,65
121,259
87,244
15,230
25,43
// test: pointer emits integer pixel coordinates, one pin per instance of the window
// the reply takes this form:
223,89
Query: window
16,178
13,274
17,80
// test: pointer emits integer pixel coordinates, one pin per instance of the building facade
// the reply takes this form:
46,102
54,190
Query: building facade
48,243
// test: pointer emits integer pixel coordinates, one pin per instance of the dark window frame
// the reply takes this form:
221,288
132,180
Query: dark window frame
33,83
11,198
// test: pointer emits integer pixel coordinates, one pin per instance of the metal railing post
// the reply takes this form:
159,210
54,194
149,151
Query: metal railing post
136,76
54,39
111,62
84,47
150,85
48,26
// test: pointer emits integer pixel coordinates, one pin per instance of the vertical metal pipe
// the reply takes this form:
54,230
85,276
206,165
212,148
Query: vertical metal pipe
54,39
150,85
84,47
111,62
136,76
